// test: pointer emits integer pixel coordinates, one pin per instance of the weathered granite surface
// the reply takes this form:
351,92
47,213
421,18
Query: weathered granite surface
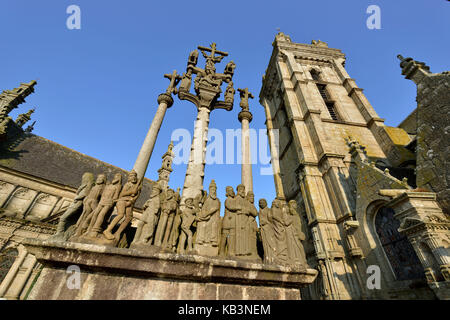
433,142
115,273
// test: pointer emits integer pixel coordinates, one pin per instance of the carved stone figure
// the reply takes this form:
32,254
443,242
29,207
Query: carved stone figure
130,192
109,196
168,208
193,58
228,236
266,225
87,181
186,80
252,225
245,95
89,204
229,68
152,206
279,232
208,223
187,218
175,233
242,225
229,93
294,235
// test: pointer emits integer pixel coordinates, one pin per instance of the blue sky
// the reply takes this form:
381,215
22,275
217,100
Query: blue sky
97,87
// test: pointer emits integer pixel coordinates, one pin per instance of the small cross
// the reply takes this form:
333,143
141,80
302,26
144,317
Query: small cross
245,94
174,79
213,51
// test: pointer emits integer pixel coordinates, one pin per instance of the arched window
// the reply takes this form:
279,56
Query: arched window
7,259
398,249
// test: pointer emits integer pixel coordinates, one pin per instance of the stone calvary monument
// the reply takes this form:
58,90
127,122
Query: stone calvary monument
351,193
182,247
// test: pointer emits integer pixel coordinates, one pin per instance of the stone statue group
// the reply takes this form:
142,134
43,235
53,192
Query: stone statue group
192,227
96,200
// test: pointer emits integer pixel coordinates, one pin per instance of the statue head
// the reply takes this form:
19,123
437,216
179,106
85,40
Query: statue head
293,204
87,179
213,189
132,176
101,179
117,179
241,190
189,202
276,203
262,203
251,197
169,194
229,192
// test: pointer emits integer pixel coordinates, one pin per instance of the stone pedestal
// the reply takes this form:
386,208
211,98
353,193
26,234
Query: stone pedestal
139,274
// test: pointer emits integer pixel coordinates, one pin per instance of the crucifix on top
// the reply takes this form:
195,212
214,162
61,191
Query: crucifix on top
207,86
245,95
207,82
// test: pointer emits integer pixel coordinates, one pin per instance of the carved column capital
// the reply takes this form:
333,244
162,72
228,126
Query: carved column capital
244,114
166,98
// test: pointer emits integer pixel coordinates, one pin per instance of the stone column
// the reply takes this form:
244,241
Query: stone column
245,117
195,171
165,101
10,276
273,135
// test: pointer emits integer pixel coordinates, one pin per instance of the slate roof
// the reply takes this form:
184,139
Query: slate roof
40,157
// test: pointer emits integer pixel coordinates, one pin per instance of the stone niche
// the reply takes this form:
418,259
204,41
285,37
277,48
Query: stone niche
135,274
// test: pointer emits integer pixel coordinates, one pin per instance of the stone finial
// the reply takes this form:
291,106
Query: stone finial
356,149
412,69
282,37
24,117
10,99
30,128
319,43
386,171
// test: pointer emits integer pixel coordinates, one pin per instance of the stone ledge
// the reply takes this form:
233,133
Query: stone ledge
154,264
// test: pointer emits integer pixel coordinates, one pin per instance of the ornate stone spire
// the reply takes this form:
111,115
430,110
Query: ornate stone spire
24,118
10,99
166,167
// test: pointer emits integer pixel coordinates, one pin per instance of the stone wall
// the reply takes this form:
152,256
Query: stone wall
433,136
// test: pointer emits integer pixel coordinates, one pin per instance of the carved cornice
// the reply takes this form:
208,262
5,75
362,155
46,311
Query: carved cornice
31,226
167,98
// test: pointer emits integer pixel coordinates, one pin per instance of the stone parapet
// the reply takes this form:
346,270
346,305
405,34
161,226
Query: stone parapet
138,274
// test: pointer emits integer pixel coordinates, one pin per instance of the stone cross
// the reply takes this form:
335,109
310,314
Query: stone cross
212,57
206,98
174,79
245,117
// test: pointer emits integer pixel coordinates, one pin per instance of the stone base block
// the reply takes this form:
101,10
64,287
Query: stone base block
137,274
